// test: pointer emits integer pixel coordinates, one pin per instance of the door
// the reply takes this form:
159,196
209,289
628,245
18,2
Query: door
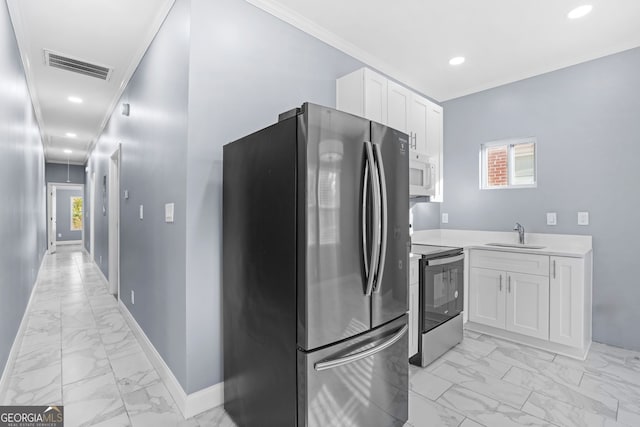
566,299
361,382
114,223
332,295
442,291
487,297
52,219
392,276
92,209
528,305
414,310
375,96
398,101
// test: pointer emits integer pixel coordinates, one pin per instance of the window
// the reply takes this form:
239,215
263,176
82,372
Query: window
76,213
508,164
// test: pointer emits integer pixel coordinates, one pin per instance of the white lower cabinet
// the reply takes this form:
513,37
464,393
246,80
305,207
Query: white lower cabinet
528,305
519,295
516,302
567,300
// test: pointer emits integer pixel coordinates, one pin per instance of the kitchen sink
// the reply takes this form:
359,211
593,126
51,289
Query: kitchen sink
515,245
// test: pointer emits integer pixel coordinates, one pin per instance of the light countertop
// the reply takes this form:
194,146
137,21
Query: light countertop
554,244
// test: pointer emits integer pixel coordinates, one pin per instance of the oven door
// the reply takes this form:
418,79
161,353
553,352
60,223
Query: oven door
441,293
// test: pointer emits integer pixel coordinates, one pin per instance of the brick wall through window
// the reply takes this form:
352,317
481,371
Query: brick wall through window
497,172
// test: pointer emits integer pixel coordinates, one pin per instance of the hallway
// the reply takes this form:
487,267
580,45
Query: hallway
78,351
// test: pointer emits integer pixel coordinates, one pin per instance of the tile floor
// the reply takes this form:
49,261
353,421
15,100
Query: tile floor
78,351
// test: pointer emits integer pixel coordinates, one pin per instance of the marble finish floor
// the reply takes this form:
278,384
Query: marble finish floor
79,351
486,381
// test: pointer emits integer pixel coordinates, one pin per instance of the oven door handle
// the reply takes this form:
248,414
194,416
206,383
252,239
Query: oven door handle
448,260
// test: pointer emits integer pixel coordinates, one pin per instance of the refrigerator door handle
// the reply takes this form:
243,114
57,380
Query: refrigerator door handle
365,246
384,219
334,363
375,186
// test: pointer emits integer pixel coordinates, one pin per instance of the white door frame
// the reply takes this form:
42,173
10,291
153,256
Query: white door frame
114,222
51,239
92,213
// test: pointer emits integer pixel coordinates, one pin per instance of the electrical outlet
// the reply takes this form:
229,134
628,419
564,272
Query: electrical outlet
133,297
141,212
583,218
445,218
552,219
59,234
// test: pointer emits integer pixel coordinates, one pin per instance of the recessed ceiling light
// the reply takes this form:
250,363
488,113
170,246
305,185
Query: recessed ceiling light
71,134
67,151
75,99
580,11
457,60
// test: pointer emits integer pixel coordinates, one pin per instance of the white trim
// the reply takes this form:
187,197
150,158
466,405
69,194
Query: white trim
302,23
17,341
189,404
68,242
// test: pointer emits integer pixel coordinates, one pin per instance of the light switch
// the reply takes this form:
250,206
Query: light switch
141,212
583,218
552,218
445,218
126,194
168,212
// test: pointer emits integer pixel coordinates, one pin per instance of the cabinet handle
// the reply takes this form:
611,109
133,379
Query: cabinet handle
509,284
501,283
554,268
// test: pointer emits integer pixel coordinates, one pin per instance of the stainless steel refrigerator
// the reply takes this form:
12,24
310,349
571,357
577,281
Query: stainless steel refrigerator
315,262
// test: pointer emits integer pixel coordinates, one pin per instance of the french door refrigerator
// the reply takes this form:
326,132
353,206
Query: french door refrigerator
315,261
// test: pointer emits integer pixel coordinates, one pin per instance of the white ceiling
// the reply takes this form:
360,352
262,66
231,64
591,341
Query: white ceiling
502,40
112,33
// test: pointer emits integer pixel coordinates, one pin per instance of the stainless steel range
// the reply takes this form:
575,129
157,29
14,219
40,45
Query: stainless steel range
441,301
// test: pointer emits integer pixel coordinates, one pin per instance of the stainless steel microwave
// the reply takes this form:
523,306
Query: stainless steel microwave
422,176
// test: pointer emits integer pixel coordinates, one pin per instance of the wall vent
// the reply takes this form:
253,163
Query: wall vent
62,62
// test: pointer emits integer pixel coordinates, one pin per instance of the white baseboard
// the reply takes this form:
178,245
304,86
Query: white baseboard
17,341
189,404
68,242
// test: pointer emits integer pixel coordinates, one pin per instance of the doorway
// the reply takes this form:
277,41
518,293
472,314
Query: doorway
114,223
65,213
92,210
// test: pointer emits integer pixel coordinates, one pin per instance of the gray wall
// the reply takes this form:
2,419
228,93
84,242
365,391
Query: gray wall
246,67
153,138
586,120
63,215
22,186
426,215
56,172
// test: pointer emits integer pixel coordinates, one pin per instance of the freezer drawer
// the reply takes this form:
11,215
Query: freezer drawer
361,382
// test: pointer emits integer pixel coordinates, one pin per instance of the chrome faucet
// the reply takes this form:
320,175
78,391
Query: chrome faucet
520,229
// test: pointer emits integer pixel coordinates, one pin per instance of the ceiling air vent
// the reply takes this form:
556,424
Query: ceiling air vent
77,66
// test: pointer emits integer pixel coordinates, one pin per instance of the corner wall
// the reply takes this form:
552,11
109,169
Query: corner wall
585,118
246,67
22,185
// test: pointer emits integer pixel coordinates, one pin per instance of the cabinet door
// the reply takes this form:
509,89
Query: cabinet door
398,102
487,297
413,319
375,97
566,301
528,305
418,123
434,145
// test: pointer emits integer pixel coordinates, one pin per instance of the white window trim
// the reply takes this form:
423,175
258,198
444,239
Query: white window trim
71,213
509,142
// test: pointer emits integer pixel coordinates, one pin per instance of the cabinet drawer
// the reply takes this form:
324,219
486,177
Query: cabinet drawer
414,270
511,261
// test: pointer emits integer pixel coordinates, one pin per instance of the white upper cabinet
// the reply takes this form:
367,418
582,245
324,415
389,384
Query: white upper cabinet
371,95
398,103
363,93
